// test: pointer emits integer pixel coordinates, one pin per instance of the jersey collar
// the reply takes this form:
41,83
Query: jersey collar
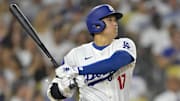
99,47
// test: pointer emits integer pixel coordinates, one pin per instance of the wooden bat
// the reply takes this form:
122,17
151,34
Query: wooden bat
18,14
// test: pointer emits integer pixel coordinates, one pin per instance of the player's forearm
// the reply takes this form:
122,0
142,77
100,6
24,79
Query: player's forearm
116,61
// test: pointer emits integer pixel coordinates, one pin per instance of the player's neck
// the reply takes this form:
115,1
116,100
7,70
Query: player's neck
102,41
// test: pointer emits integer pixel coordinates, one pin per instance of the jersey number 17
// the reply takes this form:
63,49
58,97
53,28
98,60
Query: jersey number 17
121,79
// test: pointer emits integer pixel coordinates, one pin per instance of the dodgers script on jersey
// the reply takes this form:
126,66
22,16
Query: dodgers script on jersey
113,86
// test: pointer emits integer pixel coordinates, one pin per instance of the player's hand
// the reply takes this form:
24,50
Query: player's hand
67,71
81,81
60,89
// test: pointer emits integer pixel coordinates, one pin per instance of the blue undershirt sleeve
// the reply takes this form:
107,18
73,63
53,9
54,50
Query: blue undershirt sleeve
116,61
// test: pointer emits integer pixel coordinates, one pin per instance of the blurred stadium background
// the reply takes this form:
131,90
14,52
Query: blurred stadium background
154,25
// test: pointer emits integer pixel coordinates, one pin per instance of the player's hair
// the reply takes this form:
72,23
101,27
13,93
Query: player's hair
94,19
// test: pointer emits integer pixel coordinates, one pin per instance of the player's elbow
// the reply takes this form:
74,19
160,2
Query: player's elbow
121,59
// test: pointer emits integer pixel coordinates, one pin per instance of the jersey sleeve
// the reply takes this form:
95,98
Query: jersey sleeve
127,45
70,59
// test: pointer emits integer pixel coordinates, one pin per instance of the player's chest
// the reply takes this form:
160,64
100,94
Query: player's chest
91,56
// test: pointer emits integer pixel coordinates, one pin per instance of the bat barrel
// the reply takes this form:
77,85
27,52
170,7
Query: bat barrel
15,10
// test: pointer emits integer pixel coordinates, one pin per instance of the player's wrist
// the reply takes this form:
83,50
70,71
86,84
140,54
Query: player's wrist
67,71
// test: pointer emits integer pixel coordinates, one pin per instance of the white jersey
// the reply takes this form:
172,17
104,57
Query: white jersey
104,87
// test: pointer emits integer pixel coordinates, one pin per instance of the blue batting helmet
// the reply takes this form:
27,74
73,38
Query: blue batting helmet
96,15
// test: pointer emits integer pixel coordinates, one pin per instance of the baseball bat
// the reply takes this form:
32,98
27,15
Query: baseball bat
18,14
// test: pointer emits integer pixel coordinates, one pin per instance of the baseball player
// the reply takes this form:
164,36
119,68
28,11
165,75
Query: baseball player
102,69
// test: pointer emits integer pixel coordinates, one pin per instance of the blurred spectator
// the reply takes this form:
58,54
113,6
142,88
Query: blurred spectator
162,6
25,55
171,55
22,91
60,43
34,5
4,12
172,86
138,90
3,8
4,91
38,96
139,19
11,66
150,37
151,43
174,13
77,21
14,36
42,24
3,29
37,70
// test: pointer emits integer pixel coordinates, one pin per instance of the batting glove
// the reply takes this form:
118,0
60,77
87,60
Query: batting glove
60,89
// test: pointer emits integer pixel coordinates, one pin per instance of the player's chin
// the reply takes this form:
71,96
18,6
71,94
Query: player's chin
115,35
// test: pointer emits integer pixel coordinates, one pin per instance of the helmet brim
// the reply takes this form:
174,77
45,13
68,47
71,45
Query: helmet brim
116,14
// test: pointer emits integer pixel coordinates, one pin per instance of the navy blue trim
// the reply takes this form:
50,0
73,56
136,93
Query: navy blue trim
116,61
99,47
109,77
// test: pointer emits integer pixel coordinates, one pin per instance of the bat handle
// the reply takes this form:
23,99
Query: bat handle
73,84
56,65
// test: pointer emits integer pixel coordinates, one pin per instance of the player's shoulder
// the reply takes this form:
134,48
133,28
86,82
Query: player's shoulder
124,41
81,48
125,44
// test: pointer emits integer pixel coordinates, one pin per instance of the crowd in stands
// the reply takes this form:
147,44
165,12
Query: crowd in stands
154,25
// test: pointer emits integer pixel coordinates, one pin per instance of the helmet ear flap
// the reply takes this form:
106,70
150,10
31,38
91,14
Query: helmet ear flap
98,26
